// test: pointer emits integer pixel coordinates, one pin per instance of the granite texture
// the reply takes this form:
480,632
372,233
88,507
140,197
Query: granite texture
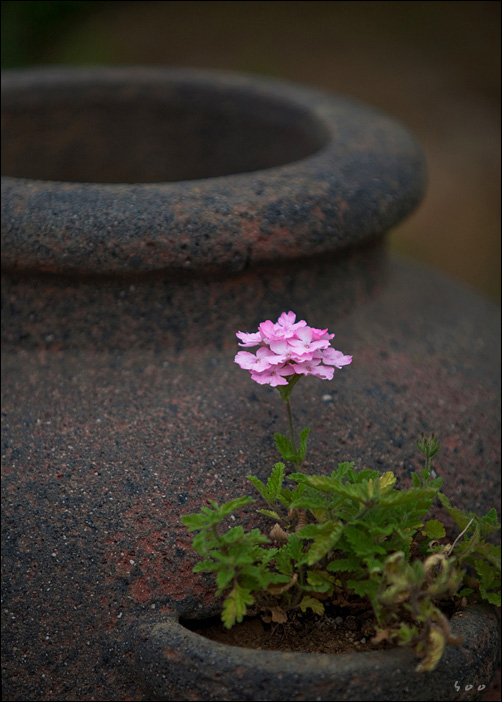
123,410
264,170
178,664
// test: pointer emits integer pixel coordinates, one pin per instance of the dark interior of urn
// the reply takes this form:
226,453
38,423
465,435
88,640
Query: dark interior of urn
133,134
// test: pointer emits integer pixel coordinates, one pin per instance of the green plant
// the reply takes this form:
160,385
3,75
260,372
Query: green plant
351,538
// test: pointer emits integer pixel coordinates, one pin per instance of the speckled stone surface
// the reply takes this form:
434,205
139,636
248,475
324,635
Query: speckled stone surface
309,172
123,410
181,665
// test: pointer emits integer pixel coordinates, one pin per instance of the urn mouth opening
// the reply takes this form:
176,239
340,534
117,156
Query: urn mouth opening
132,129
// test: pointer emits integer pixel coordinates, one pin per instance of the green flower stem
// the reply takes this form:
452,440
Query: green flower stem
291,429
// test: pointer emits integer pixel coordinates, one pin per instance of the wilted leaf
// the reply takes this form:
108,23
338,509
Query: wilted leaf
311,603
278,615
279,588
434,651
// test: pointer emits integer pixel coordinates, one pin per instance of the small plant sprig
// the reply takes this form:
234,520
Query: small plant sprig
351,538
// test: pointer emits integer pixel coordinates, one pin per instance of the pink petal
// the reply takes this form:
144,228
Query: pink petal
332,357
249,340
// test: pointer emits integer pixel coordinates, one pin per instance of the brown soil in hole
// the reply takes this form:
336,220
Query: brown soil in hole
337,631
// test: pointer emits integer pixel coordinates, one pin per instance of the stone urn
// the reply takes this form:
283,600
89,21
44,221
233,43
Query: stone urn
148,215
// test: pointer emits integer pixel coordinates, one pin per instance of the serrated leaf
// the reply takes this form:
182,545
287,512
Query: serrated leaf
326,538
401,497
415,479
489,579
269,513
203,542
434,529
223,578
344,470
319,514
205,566
365,474
235,605
364,588
351,563
329,484
283,560
233,505
274,483
387,480
309,602
285,497
285,447
193,521
303,443
491,519
258,485
493,598
461,517
295,547
465,592
320,581
310,531
361,542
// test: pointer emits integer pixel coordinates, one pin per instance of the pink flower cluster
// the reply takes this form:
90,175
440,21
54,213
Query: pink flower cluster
287,348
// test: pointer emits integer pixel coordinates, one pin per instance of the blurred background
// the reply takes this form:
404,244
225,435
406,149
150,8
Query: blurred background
433,65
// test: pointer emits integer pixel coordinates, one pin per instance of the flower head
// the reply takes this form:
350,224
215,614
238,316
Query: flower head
288,348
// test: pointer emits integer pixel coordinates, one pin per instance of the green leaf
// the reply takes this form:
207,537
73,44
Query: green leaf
490,552
269,513
223,578
309,602
193,521
364,588
415,479
233,505
329,484
235,605
434,529
274,483
429,447
259,486
295,547
283,560
327,537
493,598
465,592
344,470
205,566
351,563
320,581
310,531
285,447
401,497
303,443
361,541
461,517
491,519
366,474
